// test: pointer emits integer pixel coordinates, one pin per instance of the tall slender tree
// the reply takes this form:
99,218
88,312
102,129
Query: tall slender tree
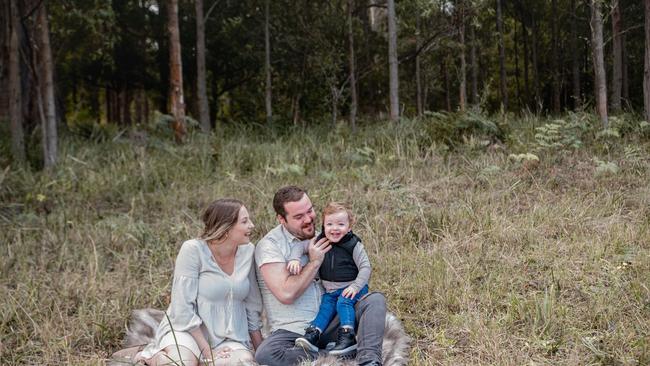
444,69
267,63
617,57
625,93
462,94
555,57
600,78
515,52
524,36
418,74
646,63
201,92
176,99
503,87
393,62
575,63
352,62
474,63
50,146
15,93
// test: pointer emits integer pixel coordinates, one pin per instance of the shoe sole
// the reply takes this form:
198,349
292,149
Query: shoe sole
302,342
343,352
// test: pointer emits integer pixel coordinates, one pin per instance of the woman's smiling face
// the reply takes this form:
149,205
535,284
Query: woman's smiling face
241,231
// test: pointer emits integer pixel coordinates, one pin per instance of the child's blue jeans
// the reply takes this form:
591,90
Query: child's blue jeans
333,303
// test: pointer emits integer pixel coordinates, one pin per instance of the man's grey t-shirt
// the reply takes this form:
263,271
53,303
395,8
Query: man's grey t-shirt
275,247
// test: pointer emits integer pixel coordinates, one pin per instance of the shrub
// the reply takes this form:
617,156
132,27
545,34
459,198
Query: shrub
90,130
453,129
558,135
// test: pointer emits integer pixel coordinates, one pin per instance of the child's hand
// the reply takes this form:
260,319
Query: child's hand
294,267
349,292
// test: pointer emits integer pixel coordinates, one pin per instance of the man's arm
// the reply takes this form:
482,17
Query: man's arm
287,288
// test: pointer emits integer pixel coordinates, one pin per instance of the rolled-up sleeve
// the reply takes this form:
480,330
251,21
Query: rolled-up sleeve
183,311
267,251
298,250
253,301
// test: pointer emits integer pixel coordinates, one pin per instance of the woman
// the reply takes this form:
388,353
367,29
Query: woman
214,314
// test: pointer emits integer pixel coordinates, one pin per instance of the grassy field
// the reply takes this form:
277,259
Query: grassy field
487,260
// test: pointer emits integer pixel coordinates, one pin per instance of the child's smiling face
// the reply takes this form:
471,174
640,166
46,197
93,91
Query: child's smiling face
336,225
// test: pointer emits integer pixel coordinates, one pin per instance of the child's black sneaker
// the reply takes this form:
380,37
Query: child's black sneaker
346,342
310,340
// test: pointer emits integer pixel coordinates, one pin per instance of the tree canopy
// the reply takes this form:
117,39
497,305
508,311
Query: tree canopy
111,58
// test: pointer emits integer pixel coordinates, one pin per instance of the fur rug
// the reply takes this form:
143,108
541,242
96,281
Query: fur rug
143,324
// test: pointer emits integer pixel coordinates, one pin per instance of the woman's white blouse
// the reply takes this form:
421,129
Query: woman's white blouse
226,306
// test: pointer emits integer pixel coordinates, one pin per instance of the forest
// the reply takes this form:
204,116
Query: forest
496,152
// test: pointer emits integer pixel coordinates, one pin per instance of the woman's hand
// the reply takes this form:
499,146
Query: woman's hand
294,267
350,292
204,346
213,355
223,353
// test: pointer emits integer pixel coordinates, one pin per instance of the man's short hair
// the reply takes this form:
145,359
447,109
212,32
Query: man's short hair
284,195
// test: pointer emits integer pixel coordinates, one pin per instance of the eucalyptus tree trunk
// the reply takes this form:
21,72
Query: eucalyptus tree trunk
201,92
335,104
176,101
625,93
517,78
139,105
503,88
445,77
47,79
555,57
392,62
418,75
124,98
524,31
462,95
15,89
107,105
575,63
646,68
267,63
474,64
535,47
295,108
617,57
600,78
353,81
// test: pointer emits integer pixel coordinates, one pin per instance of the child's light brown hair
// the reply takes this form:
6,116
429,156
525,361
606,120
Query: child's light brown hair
334,207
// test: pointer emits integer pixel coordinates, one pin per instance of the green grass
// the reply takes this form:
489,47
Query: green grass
486,260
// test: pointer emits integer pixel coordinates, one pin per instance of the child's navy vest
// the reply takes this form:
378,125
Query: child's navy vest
338,264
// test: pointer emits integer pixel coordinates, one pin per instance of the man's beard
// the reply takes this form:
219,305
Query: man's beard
302,235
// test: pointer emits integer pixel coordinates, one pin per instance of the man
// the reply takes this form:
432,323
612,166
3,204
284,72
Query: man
292,301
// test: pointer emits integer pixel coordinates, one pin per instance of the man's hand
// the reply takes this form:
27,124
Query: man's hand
350,292
294,267
318,249
287,288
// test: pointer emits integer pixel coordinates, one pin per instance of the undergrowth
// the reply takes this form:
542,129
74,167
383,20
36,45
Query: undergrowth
486,258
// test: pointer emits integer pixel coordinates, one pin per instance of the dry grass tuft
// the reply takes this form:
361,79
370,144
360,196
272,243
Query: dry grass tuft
487,261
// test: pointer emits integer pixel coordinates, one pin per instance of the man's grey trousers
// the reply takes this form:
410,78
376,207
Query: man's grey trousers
279,348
